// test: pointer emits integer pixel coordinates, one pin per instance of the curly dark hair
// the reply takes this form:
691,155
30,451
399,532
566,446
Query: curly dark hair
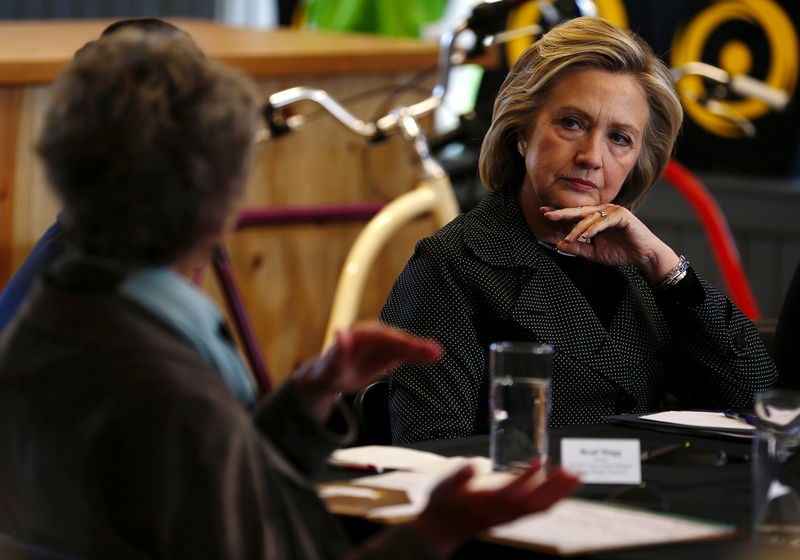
143,23
147,143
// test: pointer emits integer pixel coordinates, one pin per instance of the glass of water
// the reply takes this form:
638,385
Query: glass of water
519,403
776,468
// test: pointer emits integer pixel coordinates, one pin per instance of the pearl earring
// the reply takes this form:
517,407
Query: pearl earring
522,147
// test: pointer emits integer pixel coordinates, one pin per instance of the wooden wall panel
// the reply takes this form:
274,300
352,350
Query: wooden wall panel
32,205
287,274
10,107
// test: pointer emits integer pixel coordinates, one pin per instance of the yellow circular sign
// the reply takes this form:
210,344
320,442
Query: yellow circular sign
529,13
736,58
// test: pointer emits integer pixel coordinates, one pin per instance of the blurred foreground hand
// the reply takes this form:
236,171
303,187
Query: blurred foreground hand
457,512
359,355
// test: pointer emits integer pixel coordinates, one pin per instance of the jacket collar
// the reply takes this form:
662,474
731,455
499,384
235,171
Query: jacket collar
498,234
549,306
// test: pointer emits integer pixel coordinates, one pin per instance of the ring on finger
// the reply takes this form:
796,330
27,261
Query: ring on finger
602,213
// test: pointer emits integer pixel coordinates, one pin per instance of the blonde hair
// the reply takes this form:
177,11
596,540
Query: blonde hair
582,43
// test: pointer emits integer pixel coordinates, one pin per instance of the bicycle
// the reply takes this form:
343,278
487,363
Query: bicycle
433,194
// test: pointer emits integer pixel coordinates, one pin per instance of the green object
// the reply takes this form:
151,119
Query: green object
385,17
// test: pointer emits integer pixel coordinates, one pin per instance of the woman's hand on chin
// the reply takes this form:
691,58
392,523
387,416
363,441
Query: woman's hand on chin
611,235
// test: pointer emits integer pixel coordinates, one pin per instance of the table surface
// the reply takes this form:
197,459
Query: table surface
689,487
36,51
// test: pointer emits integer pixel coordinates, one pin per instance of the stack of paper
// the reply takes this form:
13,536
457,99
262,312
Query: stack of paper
573,526
577,526
705,421
383,457
377,497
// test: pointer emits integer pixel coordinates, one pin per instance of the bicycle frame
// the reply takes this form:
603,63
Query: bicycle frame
434,194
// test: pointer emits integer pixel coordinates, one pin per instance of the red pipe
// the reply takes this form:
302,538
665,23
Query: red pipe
719,235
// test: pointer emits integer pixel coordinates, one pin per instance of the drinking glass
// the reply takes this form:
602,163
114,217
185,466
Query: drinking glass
776,468
519,403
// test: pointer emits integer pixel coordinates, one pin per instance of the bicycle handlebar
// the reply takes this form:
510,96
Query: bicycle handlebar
748,86
741,84
383,125
321,98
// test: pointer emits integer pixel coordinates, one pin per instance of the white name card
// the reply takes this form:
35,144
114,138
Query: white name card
603,460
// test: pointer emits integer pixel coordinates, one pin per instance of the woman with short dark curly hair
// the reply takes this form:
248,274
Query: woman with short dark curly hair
121,440
52,244
147,160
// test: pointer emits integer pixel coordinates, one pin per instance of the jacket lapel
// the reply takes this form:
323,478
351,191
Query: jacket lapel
551,308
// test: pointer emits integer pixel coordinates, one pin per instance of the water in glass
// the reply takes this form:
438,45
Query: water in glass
519,408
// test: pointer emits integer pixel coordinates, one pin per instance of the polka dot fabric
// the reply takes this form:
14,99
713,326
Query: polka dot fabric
484,278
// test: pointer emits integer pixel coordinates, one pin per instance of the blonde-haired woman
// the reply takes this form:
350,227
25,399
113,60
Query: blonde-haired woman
583,126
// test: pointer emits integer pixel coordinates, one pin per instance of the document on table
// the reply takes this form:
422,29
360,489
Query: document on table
573,526
577,526
417,486
401,494
383,456
683,421
700,419
386,457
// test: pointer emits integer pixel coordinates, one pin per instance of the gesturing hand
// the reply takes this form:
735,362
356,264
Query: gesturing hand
611,235
359,355
456,512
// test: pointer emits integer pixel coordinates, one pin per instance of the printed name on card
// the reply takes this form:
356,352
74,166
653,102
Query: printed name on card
603,460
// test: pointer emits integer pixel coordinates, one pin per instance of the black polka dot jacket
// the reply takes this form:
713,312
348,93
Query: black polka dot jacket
484,278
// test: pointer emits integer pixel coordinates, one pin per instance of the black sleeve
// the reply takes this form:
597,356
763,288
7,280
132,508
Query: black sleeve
718,359
285,420
787,334
447,399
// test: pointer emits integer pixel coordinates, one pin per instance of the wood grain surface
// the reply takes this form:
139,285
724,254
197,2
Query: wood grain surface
36,51
287,274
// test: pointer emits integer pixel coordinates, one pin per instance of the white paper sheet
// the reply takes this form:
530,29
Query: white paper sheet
349,491
401,458
419,483
698,419
574,525
417,487
383,456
